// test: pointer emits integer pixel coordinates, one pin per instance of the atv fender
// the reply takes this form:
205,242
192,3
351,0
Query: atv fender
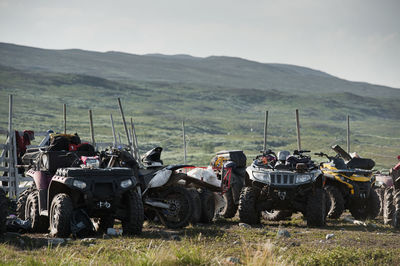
42,181
55,188
319,182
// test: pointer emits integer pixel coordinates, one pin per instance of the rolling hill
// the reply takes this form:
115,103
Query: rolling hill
222,100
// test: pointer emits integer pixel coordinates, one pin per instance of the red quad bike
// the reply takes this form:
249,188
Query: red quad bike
391,199
69,188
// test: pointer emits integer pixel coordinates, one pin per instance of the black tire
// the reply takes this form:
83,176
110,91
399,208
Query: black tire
3,211
207,206
230,207
369,209
316,208
39,224
60,215
276,215
196,205
388,206
396,216
132,223
21,203
247,206
335,202
380,192
180,212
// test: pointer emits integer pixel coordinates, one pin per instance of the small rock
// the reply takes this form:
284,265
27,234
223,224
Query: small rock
321,241
283,233
329,236
232,260
175,237
114,232
88,240
55,241
237,242
295,244
244,225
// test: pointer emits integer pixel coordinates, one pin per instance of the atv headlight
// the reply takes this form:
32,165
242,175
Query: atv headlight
126,183
45,161
264,177
79,184
303,178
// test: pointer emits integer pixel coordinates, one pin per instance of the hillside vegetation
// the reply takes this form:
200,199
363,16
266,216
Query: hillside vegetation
221,99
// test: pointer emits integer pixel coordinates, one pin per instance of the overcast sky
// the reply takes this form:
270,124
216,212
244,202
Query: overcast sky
357,40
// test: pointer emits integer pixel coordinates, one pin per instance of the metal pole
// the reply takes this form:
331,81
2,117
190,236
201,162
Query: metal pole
91,128
119,137
348,134
298,130
265,130
184,142
11,138
135,141
123,120
65,118
113,130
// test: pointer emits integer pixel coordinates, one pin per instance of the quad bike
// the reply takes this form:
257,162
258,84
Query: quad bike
391,200
161,192
3,211
350,185
277,186
70,188
238,173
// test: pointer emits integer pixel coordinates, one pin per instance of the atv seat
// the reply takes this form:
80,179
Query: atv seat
361,163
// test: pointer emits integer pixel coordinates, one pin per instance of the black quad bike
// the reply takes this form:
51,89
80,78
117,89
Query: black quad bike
277,186
3,211
350,185
161,192
70,188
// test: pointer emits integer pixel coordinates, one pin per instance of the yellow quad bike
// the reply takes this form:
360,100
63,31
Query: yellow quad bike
350,185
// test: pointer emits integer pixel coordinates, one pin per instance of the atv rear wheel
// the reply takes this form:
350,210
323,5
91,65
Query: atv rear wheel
276,215
370,209
247,206
196,205
180,211
60,215
380,192
21,203
207,206
396,216
388,206
335,202
316,208
132,223
3,211
39,224
230,207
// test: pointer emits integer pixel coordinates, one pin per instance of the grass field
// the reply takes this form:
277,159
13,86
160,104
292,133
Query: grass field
222,242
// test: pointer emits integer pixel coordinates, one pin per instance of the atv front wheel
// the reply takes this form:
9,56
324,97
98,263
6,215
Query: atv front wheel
336,202
196,205
60,215
3,211
132,223
247,206
39,224
276,215
368,210
316,208
388,206
230,207
207,206
180,211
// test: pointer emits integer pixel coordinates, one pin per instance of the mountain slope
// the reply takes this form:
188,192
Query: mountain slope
214,71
